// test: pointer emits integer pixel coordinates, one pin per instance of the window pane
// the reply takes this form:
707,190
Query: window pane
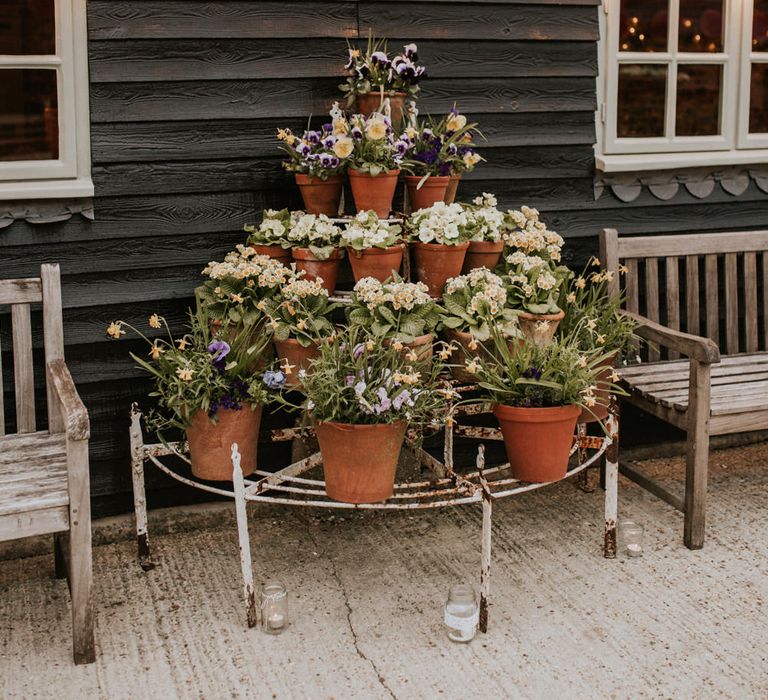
29,127
701,25
760,26
27,27
642,100
758,101
698,100
643,25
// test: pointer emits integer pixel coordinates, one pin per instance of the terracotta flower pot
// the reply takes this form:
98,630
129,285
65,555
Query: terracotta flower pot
482,254
320,196
376,262
450,191
373,192
360,461
540,328
436,263
371,102
432,190
538,440
463,350
276,252
328,269
423,347
297,356
599,411
210,444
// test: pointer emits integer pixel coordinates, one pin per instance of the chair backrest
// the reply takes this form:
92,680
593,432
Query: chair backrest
713,284
20,294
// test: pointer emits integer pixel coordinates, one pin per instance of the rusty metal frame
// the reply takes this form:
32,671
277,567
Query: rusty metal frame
290,487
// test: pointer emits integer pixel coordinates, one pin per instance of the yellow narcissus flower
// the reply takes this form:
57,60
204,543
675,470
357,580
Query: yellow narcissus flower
623,269
445,353
343,147
115,330
615,376
156,351
154,321
411,133
582,361
184,374
340,127
287,367
580,283
182,343
376,129
571,298
472,345
595,262
398,345
600,339
472,367
456,122
412,356
591,324
237,298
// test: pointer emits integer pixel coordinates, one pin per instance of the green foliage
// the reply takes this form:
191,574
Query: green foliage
273,229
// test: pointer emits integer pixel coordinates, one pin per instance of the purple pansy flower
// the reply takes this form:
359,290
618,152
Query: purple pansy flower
219,349
313,137
274,379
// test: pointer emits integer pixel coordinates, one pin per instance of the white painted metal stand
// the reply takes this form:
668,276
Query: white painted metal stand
446,488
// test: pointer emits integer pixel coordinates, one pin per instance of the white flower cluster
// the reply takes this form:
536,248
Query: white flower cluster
441,223
242,264
298,288
487,290
526,232
366,230
486,222
313,229
400,295
272,227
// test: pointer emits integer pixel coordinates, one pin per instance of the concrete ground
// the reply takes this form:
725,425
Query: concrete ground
367,598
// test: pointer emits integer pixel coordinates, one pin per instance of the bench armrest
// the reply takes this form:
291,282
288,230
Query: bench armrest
693,346
75,413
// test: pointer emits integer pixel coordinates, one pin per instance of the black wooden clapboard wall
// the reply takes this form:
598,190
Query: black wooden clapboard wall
185,99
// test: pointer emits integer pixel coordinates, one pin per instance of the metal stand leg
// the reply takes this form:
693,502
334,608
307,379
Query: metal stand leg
242,534
611,481
485,570
139,492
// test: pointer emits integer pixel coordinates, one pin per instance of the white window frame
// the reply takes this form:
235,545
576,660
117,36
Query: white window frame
70,174
735,146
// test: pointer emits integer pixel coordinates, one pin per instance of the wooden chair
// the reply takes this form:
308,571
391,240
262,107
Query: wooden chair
703,280
44,483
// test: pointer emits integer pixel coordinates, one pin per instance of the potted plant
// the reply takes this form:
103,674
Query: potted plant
534,276
362,396
471,305
299,318
486,224
593,317
375,162
538,391
315,240
203,386
440,236
379,84
317,160
397,312
271,236
462,156
373,246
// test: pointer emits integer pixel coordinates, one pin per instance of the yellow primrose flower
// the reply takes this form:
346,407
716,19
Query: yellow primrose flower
290,308
184,374
237,298
343,147
182,343
115,330
156,351
376,129
580,283
218,291
250,283
154,321
370,345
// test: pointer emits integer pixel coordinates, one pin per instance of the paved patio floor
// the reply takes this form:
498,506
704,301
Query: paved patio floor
367,596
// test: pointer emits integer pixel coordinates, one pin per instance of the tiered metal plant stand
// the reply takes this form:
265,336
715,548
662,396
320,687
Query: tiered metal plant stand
446,487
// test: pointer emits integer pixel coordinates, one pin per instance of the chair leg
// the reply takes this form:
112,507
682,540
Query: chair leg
81,567
61,555
697,456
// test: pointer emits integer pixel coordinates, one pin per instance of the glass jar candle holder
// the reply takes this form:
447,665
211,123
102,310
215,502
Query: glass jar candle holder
461,613
274,607
631,534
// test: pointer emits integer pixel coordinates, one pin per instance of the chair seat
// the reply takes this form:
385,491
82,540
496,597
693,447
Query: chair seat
33,472
739,383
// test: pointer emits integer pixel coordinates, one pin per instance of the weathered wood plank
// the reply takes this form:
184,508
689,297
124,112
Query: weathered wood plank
750,310
632,286
23,372
712,297
41,522
53,329
672,297
731,303
692,294
20,291
711,244
765,300
173,19
652,300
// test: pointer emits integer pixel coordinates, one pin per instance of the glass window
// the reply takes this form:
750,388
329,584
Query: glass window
27,27
642,100
29,128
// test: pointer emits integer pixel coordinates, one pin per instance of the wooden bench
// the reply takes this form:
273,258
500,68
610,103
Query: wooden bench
692,294
44,482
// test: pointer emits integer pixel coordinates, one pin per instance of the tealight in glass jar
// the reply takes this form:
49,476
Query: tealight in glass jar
274,607
461,613
631,538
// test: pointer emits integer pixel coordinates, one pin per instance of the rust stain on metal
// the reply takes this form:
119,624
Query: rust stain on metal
286,434
609,547
483,625
478,432
145,557
251,614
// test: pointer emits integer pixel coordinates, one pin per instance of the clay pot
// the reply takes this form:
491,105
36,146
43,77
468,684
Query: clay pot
482,254
297,356
373,192
320,196
432,190
436,263
371,102
275,252
376,262
462,340
450,191
210,444
328,269
360,461
543,334
538,440
599,412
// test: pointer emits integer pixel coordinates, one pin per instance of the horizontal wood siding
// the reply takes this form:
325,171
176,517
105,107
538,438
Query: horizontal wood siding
186,96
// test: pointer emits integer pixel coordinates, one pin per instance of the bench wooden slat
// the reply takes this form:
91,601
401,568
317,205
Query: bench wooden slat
712,287
750,302
731,304
685,244
765,301
672,298
2,394
719,391
692,294
22,291
652,300
632,287
681,382
38,522
22,368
